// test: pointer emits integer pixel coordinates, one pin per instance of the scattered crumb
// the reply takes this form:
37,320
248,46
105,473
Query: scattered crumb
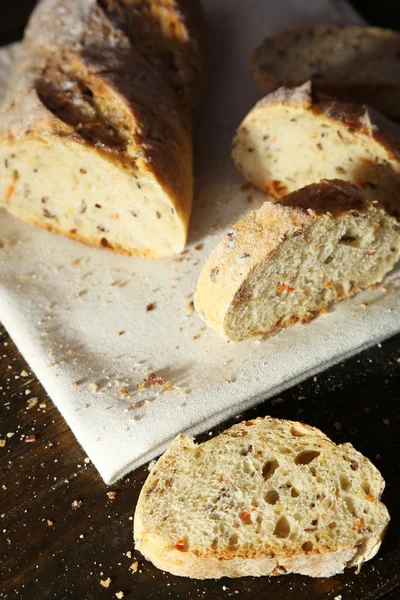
151,306
152,464
128,554
121,332
111,495
76,383
386,421
363,304
32,402
2,443
119,595
123,392
30,438
93,386
228,380
199,246
105,582
77,504
24,373
50,523
27,392
134,566
338,425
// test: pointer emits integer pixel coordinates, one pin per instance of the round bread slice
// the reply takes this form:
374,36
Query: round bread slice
266,497
288,261
288,140
352,63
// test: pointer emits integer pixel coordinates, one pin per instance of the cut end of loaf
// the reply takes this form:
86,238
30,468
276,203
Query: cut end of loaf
265,497
290,261
287,142
73,190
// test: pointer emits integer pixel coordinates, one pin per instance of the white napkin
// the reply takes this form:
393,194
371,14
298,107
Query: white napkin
79,316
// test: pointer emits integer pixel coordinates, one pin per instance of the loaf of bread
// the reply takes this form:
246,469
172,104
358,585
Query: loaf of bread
352,63
289,261
96,126
265,497
288,141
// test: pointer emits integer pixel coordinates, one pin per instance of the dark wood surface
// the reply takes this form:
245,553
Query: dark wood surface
51,550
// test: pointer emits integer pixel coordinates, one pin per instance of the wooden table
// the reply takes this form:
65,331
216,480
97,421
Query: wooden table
61,533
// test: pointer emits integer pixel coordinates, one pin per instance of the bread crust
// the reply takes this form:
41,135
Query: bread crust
205,563
381,90
143,124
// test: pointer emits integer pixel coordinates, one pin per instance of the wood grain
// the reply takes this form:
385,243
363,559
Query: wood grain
50,549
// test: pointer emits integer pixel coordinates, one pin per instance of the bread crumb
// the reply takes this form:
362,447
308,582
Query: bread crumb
151,306
134,566
338,425
75,504
121,332
24,373
111,495
93,386
363,304
50,523
128,554
32,402
123,392
105,582
30,438
2,443
199,246
119,595
76,383
386,421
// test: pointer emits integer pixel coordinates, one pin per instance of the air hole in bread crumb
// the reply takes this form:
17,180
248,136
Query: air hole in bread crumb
296,432
284,450
366,487
233,540
282,528
313,471
344,482
294,493
307,546
269,468
332,525
350,505
271,497
305,457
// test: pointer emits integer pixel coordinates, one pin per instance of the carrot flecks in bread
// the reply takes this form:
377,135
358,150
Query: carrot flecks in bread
295,258
358,144
265,497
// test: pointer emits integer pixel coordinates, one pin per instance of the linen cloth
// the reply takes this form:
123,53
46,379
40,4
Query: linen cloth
94,325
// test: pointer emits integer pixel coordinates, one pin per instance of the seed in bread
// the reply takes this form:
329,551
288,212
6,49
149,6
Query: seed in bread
288,141
352,63
95,141
288,261
265,497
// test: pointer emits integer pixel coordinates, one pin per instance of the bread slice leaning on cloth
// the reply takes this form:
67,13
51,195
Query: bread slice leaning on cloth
288,261
352,63
96,141
289,140
265,497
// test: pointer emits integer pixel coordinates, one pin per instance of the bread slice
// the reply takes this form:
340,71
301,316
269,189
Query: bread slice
265,497
288,140
288,261
352,63
94,141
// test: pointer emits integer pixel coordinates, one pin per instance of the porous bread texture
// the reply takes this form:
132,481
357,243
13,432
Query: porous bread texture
94,142
289,261
265,497
352,63
288,140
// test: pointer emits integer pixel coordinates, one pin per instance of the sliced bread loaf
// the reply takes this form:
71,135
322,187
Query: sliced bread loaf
352,63
265,497
288,140
95,140
288,261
